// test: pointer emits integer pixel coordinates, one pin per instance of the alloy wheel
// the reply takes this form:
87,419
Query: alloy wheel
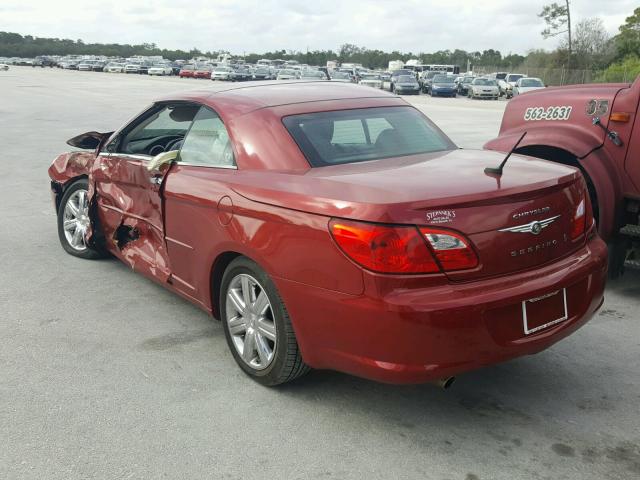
249,317
76,220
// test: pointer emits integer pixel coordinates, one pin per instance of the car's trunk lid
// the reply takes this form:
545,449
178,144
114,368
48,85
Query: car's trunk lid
446,190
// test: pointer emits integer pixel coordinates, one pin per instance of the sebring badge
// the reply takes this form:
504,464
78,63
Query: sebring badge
534,227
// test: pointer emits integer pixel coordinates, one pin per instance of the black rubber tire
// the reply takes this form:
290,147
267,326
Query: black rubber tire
89,253
288,363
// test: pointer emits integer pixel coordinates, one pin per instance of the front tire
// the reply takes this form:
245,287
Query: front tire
73,221
257,326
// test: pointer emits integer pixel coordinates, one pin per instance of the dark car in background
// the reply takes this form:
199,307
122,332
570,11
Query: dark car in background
443,86
241,74
464,84
427,79
261,73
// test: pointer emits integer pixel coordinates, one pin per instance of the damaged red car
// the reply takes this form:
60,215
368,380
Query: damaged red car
335,227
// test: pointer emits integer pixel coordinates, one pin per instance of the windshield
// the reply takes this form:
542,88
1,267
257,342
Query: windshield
348,136
340,75
286,72
531,82
485,82
442,79
406,79
468,79
188,67
370,77
514,77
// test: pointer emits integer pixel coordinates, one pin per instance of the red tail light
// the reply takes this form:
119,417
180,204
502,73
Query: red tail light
579,221
384,248
400,249
452,250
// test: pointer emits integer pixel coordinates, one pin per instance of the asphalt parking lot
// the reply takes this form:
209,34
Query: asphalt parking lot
104,374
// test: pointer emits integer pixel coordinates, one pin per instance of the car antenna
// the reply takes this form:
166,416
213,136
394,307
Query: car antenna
498,170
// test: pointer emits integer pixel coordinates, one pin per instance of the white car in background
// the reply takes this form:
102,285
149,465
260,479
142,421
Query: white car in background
371,80
132,68
114,67
511,80
85,66
287,74
222,73
4,66
527,84
160,69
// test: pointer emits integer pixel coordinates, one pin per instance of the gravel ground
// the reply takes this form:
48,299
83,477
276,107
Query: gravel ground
104,374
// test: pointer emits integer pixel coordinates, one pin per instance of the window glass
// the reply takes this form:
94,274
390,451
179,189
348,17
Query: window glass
346,136
347,132
376,127
207,143
159,130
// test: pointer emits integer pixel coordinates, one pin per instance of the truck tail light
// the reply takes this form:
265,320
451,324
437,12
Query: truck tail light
402,249
452,250
579,220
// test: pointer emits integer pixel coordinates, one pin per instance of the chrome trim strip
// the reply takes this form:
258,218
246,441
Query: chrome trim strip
534,227
227,167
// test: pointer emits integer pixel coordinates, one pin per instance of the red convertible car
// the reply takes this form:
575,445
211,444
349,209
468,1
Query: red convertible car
333,226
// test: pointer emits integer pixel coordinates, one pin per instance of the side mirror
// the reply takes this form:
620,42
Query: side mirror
162,159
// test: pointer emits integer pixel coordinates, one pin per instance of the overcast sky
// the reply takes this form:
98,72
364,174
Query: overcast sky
260,25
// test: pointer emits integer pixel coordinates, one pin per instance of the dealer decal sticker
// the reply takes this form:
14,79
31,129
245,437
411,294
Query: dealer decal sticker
550,113
441,216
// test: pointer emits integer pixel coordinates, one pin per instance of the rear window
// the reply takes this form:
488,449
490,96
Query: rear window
348,136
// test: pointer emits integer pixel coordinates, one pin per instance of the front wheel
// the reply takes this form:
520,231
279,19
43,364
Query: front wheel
257,325
73,221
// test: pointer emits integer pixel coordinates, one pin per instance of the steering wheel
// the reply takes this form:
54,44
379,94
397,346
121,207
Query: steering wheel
170,146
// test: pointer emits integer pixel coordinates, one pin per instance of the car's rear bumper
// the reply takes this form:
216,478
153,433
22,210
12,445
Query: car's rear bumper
414,335
443,92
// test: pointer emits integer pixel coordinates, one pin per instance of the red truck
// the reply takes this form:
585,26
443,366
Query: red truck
596,129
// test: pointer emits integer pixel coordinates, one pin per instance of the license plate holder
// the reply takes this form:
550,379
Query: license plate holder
544,311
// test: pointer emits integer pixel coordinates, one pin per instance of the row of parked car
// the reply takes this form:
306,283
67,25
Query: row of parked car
402,82
444,84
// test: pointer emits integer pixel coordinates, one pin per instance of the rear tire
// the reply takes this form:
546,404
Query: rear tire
257,326
73,221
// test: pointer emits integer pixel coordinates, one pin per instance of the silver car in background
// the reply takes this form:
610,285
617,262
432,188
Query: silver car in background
340,77
484,88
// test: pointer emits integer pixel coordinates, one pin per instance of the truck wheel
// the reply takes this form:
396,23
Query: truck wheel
257,325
